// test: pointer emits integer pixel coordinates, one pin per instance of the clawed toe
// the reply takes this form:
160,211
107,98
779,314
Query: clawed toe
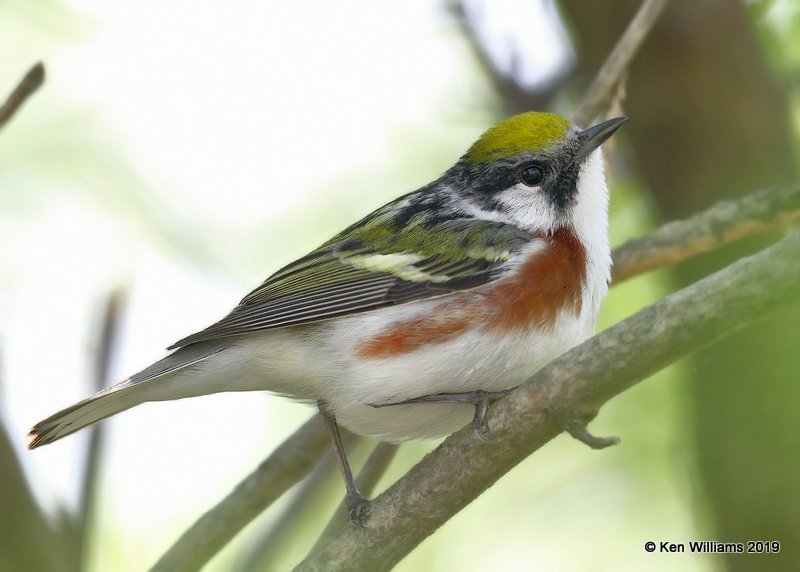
359,512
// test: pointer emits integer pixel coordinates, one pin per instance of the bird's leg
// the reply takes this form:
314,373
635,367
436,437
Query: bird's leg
358,506
480,399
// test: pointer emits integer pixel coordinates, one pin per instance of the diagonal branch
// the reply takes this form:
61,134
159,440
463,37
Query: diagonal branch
289,463
723,223
572,388
32,81
616,65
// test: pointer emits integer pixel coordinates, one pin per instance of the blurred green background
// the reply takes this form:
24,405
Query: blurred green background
181,152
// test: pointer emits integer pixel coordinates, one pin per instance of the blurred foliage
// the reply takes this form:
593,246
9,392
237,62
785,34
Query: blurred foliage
777,23
612,501
723,131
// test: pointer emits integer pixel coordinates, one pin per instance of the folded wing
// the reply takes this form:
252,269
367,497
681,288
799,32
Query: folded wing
370,267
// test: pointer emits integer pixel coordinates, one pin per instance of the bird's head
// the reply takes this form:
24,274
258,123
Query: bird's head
536,170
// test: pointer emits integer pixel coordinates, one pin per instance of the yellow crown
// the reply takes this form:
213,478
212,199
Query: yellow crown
532,131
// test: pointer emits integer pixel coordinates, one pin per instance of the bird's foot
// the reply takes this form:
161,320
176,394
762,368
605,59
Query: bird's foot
359,509
480,399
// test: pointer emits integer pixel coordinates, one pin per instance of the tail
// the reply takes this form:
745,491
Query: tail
105,404
121,396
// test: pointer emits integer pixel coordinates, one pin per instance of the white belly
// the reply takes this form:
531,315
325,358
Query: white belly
473,361
320,362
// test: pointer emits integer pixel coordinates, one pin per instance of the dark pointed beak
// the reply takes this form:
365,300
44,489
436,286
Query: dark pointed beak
591,138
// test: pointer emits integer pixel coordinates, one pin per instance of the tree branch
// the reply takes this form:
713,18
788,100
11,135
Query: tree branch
289,463
706,231
571,388
723,223
616,65
32,81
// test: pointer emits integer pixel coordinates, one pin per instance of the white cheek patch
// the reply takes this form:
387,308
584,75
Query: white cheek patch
523,206
529,208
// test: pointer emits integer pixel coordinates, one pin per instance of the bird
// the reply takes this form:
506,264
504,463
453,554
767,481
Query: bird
409,323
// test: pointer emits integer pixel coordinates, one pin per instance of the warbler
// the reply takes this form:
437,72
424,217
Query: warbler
406,324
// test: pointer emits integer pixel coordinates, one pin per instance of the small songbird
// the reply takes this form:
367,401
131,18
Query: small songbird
406,324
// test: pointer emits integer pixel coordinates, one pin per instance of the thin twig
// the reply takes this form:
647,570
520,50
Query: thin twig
606,80
573,386
723,223
107,340
32,81
289,463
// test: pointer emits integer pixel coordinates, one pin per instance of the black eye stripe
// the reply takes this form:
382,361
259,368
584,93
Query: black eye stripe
498,179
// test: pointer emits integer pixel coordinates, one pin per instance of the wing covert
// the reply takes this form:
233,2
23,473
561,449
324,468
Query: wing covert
364,269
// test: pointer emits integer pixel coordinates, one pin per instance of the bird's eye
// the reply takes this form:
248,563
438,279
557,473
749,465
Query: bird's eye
531,176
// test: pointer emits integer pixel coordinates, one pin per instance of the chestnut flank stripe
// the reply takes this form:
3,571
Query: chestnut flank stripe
548,282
